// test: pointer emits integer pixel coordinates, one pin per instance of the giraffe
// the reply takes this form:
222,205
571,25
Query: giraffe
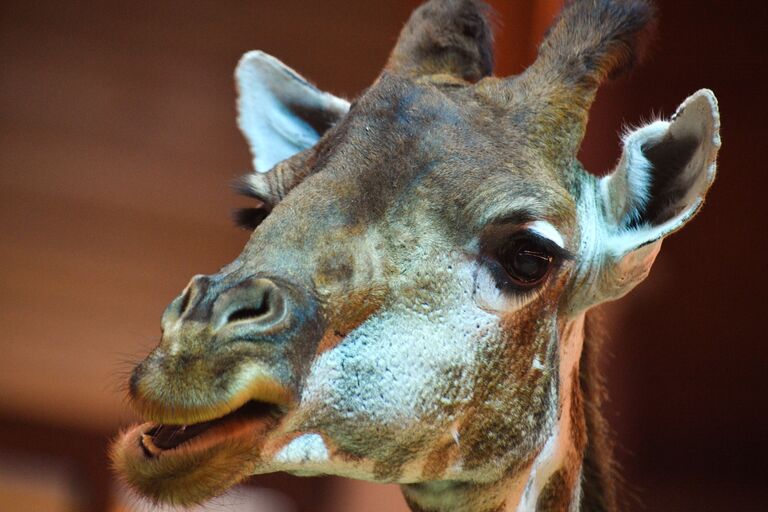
415,302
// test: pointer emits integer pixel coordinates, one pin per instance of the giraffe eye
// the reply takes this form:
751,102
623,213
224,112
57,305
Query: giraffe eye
527,261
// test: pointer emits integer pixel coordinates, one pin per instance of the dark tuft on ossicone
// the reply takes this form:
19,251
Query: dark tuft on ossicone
446,36
599,39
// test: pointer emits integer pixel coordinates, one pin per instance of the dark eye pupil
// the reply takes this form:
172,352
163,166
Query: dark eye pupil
529,263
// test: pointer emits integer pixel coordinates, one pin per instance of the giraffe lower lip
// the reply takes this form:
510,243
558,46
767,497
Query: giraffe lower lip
160,437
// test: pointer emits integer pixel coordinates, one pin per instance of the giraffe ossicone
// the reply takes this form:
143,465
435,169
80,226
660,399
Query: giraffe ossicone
414,305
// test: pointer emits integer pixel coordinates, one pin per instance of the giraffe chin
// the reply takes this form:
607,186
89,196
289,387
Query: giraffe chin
207,461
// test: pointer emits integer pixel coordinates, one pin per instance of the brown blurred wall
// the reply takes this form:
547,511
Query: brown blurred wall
118,140
690,359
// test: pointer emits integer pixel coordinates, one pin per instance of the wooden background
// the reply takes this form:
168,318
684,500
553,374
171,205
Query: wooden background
117,144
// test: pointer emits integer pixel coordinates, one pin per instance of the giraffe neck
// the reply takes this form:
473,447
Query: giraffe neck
552,481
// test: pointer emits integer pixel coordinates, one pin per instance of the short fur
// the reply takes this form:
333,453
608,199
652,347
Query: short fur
380,311
596,39
591,41
451,37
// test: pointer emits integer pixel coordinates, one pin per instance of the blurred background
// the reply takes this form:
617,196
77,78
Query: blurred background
117,145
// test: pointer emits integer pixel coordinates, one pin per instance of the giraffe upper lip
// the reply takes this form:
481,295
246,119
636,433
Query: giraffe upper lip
192,408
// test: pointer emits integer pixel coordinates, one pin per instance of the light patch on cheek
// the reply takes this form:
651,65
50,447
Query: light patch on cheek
489,297
383,371
305,448
487,294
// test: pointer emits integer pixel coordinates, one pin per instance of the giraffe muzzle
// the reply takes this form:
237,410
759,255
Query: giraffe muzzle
228,370
227,340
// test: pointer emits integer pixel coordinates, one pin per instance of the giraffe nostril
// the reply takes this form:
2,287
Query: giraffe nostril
184,302
187,301
255,304
248,313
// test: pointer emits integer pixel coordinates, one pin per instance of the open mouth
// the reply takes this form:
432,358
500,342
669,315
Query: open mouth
160,438
187,464
198,443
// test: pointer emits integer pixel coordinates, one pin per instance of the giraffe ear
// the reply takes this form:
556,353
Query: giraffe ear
279,112
659,184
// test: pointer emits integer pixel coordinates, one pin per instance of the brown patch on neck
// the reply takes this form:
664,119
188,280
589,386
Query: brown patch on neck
557,494
403,448
438,460
507,376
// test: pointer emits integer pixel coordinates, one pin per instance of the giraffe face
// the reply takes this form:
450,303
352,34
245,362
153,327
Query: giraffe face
406,310
389,319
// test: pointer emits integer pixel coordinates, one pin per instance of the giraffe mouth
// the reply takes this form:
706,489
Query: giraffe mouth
160,438
188,464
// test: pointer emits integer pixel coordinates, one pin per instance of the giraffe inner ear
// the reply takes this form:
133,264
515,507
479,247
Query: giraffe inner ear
664,172
659,185
279,112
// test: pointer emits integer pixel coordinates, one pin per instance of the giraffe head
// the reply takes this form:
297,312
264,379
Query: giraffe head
409,306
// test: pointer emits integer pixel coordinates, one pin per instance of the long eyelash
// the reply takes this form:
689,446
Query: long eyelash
249,218
243,187
555,250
